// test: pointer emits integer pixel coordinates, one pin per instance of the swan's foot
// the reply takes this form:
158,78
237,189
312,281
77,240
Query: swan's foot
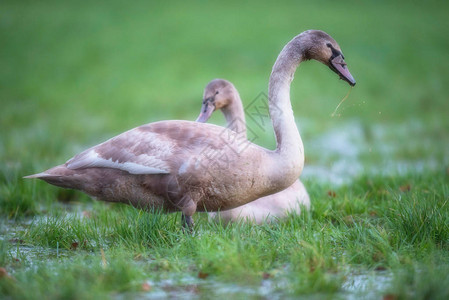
187,222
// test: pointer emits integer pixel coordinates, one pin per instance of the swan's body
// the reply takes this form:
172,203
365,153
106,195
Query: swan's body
221,95
189,166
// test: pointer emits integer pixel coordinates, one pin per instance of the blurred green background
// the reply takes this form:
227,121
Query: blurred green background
73,73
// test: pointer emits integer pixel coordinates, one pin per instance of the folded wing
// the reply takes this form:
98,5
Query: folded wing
136,151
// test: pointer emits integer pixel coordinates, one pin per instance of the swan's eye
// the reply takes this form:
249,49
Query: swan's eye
216,93
335,52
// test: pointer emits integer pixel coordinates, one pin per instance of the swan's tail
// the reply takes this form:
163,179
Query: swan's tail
39,175
60,176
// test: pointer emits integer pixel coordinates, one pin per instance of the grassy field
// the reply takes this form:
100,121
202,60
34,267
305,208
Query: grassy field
74,73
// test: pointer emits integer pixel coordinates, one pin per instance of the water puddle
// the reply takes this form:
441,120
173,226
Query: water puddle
192,288
371,285
361,285
343,153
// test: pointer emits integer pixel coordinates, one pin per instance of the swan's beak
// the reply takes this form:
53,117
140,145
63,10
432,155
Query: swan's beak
338,65
206,111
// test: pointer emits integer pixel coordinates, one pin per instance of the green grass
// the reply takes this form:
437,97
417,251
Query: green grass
377,227
75,73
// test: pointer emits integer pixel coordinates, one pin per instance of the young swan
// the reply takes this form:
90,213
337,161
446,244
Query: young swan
175,166
221,94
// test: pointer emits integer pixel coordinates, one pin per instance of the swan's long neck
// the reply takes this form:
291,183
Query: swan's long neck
289,154
235,116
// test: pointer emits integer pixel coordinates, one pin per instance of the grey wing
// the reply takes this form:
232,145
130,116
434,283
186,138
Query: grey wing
135,151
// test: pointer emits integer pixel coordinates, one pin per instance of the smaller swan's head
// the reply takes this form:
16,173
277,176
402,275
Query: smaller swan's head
218,94
322,47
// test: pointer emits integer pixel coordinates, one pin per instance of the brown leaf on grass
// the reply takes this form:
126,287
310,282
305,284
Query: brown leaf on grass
380,268
373,213
3,273
74,246
266,275
203,275
390,297
16,241
405,188
146,287
331,194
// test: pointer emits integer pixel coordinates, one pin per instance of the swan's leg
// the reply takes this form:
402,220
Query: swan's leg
188,209
187,222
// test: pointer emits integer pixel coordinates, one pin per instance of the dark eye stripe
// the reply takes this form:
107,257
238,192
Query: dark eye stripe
335,52
210,99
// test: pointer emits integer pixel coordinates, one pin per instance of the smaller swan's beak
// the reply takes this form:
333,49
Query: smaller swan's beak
338,65
206,111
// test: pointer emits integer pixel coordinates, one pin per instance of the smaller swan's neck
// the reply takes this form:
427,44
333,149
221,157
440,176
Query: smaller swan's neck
234,115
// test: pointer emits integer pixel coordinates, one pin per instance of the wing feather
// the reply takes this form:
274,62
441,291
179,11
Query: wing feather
135,151
160,148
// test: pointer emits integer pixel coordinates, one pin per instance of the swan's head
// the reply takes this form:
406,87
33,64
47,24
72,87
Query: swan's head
322,47
218,94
